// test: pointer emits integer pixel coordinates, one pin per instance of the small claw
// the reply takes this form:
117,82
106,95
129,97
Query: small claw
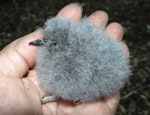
37,42
48,99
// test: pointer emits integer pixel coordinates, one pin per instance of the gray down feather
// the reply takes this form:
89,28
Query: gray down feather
80,62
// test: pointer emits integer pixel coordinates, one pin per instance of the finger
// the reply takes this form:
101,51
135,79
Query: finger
72,11
115,30
18,57
99,18
126,49
112,102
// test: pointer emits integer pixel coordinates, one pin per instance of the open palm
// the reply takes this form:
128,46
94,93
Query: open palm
20,92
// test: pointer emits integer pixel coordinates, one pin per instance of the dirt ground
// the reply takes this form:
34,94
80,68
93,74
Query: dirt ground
20,17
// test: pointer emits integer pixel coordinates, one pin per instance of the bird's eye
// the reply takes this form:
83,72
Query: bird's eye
53,44
45,39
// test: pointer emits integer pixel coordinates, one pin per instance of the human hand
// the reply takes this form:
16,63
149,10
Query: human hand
20,91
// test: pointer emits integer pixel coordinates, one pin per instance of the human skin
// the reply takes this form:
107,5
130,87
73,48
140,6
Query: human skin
20,92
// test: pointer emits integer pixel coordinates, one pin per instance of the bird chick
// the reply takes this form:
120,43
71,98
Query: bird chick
80,62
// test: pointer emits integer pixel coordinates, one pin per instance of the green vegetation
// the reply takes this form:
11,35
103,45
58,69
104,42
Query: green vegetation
20,17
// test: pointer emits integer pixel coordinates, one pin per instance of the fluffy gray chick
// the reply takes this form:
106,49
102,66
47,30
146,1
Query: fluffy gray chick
79,62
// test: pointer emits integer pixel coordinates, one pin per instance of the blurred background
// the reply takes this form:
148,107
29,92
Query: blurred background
21,17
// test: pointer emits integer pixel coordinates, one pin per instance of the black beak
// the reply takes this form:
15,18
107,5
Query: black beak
37,42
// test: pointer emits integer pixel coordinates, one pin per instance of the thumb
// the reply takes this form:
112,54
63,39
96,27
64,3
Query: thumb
18,57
